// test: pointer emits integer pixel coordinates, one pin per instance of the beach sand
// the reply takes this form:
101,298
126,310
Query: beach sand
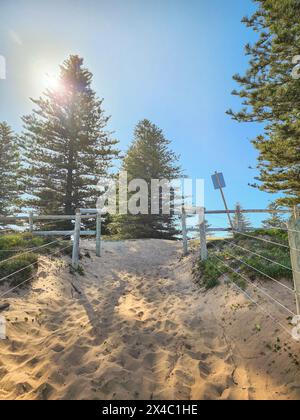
140,328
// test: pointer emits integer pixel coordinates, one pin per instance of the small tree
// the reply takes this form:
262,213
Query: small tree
240,222
9,170
275,220
207,225
148,158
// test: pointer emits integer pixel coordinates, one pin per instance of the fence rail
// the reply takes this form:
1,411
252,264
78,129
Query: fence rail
10,219
75,234
283,211
293,231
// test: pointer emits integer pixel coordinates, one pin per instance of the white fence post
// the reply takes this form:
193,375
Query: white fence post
30,221
294,240
98,234
203,246
76,240
184,232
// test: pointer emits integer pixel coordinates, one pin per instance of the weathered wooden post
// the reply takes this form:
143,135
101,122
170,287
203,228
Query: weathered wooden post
294,240
3,328
30,217
76,240
184,232
203,245
98,234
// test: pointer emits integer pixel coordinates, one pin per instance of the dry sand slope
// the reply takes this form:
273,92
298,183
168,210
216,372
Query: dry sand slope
141,329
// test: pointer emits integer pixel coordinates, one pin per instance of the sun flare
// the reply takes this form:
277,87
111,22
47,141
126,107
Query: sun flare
51,82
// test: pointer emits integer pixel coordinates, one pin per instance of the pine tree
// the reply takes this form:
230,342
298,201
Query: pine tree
66,144
9,170
147,158
275,220
271,96
240,222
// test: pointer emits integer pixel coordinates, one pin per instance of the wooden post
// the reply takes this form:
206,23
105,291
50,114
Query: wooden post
76,240
184,232
30,221
294,240
239,227
98,234
3,328
203,245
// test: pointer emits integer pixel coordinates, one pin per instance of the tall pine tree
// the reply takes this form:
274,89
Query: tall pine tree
9,170
149,157
66,144
270,96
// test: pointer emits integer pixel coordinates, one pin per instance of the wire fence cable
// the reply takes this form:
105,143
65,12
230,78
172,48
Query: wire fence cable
262,256
32,277
29,250
260,289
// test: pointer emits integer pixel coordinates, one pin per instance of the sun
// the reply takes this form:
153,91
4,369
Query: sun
51,82
45,75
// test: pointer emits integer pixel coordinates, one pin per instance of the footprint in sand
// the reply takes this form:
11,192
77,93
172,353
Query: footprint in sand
44,391
169,325
198,355
184,377
150,359
204,369
134,352
58,348
23,388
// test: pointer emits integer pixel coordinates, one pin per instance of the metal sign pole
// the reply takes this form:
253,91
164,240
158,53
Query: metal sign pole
224,200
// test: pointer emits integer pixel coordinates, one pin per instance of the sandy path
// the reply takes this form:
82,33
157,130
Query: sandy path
141,329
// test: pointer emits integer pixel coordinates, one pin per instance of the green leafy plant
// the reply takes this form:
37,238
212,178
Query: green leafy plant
17,264
208,272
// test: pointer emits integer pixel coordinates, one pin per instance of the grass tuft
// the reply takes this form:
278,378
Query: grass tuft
17,243
209,271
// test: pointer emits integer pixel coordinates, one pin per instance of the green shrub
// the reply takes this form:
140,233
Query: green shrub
80,270
238,280
13,244
275,235
269,269
258,253
209,272
241,250
17,264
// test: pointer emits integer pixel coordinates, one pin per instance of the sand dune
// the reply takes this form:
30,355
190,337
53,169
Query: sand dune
140,329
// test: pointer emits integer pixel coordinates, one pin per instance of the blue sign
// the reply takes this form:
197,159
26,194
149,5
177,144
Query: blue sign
218,181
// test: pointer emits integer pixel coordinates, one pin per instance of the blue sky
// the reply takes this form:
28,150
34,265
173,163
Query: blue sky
171,61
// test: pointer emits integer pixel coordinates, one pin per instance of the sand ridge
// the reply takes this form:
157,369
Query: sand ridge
140,329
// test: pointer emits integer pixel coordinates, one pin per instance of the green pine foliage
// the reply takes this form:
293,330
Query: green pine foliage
9,171
275,220
270,95
148,157
66,144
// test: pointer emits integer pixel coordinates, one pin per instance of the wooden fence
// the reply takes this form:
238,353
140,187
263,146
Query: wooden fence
292,228
76,233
